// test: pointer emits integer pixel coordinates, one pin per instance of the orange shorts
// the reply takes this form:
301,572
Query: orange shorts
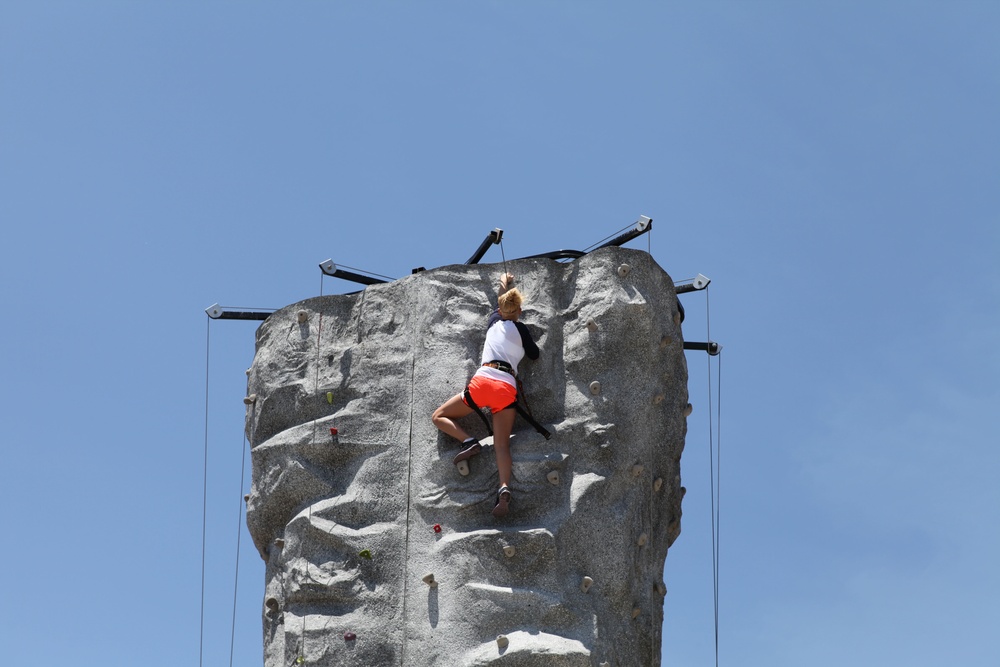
493,394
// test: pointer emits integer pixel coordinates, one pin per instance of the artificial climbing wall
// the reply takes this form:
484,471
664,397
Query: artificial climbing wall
379,552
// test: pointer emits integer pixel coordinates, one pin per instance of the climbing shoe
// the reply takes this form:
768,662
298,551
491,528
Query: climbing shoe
503,502
467,453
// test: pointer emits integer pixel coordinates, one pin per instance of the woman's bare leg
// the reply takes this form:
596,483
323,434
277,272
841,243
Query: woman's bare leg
503,424
444,417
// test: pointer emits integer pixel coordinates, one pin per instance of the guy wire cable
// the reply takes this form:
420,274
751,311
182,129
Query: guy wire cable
714,487
239,534
204,501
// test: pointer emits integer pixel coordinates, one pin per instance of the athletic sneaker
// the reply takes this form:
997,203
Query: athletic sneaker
468,452
503,501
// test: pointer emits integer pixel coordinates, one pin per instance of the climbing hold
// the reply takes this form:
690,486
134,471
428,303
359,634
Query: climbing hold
658,399
248,372
637,469
595,387
251,399
329,397
553,477
605,664
246,498
586,583
509,551
683,491
333,431
502,641
677,318
429,580
658,484
300,660
280,543
463,468
272,604
688,410
623,270
660,587
437,528
365,553
636,612
642,540
302,316
591,324
349,636
665,341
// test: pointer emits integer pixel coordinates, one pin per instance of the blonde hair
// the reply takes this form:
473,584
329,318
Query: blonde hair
509,302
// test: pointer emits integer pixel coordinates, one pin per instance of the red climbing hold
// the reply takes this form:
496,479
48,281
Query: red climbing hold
333,431
437,528
349,636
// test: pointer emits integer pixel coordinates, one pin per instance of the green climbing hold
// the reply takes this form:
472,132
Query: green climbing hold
329,397
366,554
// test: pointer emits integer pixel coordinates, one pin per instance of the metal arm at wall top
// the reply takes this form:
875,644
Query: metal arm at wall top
217,312
712,348
493,238
331,269
644,224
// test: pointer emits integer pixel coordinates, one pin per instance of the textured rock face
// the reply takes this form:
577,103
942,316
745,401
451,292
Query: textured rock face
346,522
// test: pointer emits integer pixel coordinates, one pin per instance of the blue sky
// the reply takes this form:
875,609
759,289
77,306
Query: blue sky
833,167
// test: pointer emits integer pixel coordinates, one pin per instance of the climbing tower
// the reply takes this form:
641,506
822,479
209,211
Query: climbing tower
379,552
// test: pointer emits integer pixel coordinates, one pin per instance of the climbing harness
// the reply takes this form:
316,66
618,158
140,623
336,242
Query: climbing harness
525,413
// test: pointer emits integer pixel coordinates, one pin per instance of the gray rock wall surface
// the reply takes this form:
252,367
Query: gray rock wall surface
346,521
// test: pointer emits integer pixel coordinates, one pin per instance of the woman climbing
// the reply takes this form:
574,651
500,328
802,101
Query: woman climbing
493,386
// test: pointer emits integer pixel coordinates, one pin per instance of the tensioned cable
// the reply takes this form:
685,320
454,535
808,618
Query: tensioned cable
370,273
204,501
609,236
714,485
239,534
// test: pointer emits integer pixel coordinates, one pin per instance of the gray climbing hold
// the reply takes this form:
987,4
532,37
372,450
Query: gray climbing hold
463,468
623,270
605,664
688,410
642,540
280,543
272,604
586,584
658,484
509,551
660,587
553,477
637,469
592,324
246,498
595,387
302,317
251,399
502,641
429,580
683,491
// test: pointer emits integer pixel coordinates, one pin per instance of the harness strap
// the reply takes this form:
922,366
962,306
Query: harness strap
467,395
525,414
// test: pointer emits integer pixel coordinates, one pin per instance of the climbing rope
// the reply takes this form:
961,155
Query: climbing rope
504,257
406,539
